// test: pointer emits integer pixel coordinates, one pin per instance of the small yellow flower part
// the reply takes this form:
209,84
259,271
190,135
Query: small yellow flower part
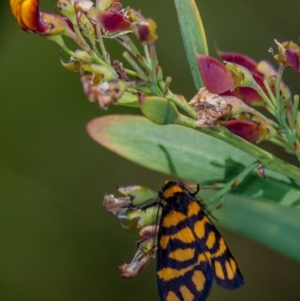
281,57
31,19
28,15
145,30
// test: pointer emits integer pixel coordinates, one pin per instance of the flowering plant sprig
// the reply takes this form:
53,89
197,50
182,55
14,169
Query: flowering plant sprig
88,24
224,105
231,89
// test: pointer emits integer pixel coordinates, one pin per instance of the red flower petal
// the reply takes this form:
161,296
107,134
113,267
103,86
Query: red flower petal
240,59
248,130
114,22
293,58
216,77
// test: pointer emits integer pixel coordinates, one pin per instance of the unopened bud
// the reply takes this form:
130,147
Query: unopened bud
138,194
242,76
72,65
236,105
145,30
251,131
159,110
67,9
100,73
56,25
143,217
288,54
86,27
217,79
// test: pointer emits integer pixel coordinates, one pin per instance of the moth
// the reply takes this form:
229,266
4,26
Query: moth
191,253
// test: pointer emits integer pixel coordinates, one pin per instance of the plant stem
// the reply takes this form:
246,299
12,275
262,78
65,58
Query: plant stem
184,106
100,41
135,66
214,199
263,95
267,159
281,143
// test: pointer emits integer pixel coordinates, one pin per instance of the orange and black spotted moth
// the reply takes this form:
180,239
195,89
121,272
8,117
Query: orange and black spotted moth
190,250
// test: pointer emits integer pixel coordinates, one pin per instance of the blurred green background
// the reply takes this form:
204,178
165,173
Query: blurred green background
56,241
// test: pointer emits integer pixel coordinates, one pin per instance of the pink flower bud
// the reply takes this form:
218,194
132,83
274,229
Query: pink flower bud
293,58
247,130
240,59
217,79
145,30
288,55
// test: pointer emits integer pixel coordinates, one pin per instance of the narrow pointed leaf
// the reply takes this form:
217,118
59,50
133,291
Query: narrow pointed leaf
189,155
273,226
193,35
251,209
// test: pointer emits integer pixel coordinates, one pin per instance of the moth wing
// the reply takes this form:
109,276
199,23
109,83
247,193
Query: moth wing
183,271
212,244
181,276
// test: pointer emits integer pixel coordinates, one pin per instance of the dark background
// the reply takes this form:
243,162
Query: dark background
57,242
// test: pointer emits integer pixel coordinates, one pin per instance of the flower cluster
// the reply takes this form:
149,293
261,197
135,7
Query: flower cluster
243,84
142,218
232,89
88,24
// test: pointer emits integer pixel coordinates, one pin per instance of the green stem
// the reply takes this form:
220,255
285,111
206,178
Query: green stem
135,66
281,115
231,184
100,41
83,42
278,83
182,105
60,41
263,117
266,99
94,46
268,160
154,64
295,114
95,58
289,133
281,143
130,72
271,95
165,85
147,55
127,43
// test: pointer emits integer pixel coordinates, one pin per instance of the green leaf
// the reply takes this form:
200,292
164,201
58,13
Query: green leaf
193,35
190,155
128,100
170,149
274,226
159,110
